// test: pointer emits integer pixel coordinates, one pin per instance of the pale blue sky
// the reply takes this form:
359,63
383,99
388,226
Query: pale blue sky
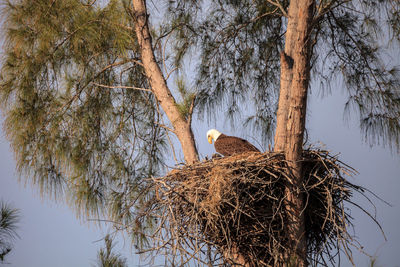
51,235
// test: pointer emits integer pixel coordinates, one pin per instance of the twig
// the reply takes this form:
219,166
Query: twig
277,4
122,87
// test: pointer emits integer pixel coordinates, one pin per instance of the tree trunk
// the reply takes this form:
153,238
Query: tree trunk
182,127
291,115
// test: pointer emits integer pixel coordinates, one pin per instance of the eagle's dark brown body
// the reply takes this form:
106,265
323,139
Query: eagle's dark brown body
230,145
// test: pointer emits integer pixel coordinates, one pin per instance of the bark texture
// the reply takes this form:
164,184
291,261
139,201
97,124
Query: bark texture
291,115
286,78
182,127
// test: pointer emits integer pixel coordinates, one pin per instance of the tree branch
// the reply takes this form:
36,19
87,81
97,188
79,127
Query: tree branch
277,4
158,83
122,87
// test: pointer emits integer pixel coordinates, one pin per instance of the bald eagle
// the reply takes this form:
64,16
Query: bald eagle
229,145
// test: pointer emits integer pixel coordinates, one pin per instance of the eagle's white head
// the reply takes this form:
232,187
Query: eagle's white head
212,135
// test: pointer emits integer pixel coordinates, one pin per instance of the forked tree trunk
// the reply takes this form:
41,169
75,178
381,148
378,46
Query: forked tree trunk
182,127
295,71
291,115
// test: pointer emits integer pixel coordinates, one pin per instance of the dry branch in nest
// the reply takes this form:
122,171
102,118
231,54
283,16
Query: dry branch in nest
216,208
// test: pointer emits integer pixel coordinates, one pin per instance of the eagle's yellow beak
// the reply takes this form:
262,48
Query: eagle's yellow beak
209,139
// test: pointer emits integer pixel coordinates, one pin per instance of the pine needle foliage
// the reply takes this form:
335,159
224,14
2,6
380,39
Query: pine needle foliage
77,108
9,218
107,258
238,43
186,105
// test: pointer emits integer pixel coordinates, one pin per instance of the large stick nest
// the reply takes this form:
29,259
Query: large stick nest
222,206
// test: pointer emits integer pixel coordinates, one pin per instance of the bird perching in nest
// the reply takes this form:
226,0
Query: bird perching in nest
229,145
